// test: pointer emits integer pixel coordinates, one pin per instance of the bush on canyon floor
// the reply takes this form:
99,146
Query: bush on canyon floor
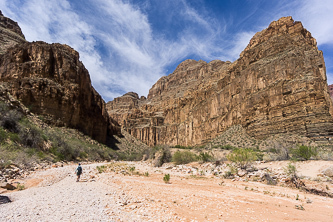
290,170
183,147
183,157
205,157
304,152
242,157
166,178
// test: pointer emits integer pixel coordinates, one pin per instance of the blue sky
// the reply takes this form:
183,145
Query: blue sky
127,45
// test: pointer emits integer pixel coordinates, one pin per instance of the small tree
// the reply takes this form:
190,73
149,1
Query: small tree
242,157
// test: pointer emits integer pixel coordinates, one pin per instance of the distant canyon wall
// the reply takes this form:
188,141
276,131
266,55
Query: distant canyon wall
278,85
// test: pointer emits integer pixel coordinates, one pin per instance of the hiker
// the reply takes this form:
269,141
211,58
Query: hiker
78,172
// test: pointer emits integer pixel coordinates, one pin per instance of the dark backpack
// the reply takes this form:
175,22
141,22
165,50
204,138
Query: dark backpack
79,169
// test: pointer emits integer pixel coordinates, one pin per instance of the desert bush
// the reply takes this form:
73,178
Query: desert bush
166,178
10,121
290,170
31,136
242,157
132,169
304,152
205,157
20,186
183,157
183,147
101,169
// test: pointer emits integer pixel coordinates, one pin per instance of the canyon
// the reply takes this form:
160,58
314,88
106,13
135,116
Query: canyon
277,86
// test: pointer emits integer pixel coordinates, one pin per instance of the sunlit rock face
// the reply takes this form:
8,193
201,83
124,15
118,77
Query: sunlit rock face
52,82
278,85
10,33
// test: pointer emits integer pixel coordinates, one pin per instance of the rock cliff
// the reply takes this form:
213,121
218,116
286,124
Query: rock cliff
52,82
278,85
10,33
330,90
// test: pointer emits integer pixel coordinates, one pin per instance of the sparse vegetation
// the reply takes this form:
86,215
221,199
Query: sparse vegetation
290,170
101,169
183,147
132,169
20,186
183,157
205,157
242,157
304,152
166,178
25,142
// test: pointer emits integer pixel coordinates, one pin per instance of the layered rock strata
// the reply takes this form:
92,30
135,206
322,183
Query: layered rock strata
10,33
278,85
52,82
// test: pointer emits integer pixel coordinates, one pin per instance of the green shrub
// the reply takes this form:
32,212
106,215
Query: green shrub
205,157
132,169
31,136
290,170
183,147
166,178
101,169
146,174
20,186
183,157
304,152
242,157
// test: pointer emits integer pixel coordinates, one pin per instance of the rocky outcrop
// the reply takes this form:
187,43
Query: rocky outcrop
330,90
51,81
10,33
278,85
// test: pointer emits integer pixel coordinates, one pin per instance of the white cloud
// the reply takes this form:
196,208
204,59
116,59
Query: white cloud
134,56
316,16
239,43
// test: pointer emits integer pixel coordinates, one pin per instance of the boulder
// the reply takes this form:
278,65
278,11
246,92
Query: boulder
7,186
328,171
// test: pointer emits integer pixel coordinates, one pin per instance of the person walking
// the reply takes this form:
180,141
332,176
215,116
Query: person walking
78,172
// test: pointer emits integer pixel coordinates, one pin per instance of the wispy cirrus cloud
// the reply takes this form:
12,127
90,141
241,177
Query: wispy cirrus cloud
116,40
128,45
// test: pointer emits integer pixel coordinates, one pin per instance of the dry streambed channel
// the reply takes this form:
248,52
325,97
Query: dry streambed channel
135,191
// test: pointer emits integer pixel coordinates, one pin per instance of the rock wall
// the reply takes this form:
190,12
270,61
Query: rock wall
10,33
278,85
51,81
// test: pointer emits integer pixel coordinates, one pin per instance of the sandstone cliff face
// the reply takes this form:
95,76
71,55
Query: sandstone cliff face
10,33
330,90
278,85
51,81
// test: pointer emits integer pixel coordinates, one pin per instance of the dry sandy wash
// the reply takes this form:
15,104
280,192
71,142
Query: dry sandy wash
53,195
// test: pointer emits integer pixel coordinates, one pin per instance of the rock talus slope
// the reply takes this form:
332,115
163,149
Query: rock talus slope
51,81
278,85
